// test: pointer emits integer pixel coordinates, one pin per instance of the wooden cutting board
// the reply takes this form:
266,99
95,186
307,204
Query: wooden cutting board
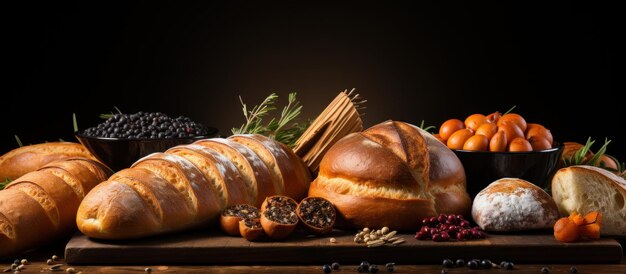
216,248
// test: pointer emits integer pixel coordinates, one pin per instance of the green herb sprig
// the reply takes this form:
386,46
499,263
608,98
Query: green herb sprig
578,158
285,129
4,183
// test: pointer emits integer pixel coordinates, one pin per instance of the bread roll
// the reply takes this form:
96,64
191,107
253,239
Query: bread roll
40,207
392,174
22,160
511,204
588,188
189,186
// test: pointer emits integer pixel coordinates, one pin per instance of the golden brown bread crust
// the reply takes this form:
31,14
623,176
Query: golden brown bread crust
392,174
29,222
289,168
40,206
22,160
187,186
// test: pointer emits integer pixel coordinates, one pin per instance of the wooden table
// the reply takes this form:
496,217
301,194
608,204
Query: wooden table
37,264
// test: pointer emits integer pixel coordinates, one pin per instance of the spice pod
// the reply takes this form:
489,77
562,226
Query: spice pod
317,215
232,215
251,229
278,216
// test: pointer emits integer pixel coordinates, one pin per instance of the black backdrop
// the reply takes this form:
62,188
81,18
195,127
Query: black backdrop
556,61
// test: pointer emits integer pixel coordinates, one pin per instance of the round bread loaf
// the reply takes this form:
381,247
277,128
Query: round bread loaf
392,174
511,204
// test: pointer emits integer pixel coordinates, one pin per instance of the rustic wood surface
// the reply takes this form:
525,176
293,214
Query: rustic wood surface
215,248
37,264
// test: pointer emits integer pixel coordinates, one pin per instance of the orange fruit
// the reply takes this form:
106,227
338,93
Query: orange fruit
477,143
515,119
438,136
475,120
450,126
511,130
539,130
498,142
487,129
458,138
519,144
539,143
494,117
565,230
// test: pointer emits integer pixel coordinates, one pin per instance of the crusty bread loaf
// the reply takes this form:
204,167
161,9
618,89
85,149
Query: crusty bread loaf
189,186
22,160
587,188
512,204
41,206
392,174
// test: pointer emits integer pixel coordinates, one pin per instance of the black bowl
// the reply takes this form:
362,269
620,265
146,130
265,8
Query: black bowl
483,168
120,153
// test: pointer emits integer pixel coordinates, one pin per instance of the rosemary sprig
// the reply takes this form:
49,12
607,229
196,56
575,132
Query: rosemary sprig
75,122
4,183
283,129
511,109
109,115
426,128
578,158
19,142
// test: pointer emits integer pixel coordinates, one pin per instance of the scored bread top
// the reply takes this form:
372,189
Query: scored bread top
186,178
284,165
255,173
22,160
219,170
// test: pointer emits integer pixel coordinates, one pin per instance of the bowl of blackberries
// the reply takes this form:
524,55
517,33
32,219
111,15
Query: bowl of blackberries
122,139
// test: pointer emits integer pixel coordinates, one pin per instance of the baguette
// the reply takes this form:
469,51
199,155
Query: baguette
188,186
22,160
41,206
588,188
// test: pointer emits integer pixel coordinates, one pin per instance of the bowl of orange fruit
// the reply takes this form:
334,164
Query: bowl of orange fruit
496,146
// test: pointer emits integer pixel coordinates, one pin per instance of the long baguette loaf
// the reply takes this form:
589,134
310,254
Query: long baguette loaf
22,160
188,186
589,188
41,206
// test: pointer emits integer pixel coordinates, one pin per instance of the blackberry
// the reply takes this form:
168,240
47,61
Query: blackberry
146,125
448,263
326,268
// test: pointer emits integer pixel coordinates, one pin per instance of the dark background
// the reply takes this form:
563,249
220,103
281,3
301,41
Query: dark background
556,61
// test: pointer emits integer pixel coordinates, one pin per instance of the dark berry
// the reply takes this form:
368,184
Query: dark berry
545,270
326,268
573,270
335,266
373,268
390,267
460,263
473,264
363,267
422,235
509,265
486,264
448,263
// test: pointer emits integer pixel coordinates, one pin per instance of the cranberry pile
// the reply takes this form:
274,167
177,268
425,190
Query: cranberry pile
448,227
